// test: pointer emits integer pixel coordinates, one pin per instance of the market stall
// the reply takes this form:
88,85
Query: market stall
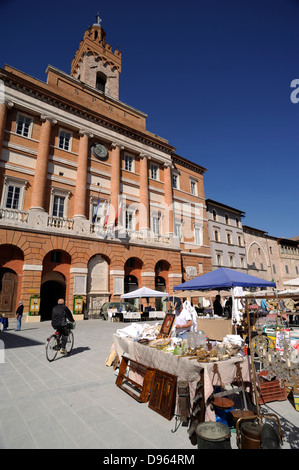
188,369
144,293
224,278
194,374
219,279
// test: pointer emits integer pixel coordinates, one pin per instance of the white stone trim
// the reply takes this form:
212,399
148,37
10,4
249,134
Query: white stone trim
32,267
20,169
148,274
198,255
117,272
79,270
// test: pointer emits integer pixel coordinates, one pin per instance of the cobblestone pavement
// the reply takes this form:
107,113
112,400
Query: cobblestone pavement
73,402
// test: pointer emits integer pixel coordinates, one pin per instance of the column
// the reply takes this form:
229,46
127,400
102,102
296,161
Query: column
3,116
81,178
115,181
144,210
168,200
41,167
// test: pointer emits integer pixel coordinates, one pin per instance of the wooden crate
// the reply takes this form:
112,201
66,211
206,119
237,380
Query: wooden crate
271,391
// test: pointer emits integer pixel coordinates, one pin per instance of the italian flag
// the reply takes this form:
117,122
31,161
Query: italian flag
107,214
118,213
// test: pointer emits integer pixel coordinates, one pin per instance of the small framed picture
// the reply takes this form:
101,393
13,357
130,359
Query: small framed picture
167,324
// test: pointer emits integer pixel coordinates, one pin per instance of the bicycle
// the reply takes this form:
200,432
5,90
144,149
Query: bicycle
53,344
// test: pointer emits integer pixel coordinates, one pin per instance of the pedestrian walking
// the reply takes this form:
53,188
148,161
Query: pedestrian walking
19,314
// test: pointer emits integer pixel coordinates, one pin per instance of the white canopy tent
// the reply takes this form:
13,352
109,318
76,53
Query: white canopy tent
143,292
288,291
292,282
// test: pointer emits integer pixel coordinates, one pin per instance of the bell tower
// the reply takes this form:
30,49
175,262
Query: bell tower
95,63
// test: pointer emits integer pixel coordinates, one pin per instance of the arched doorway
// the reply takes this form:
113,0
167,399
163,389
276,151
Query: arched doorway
131,284
50,292
55,279
161,280
8,289
11,271
160,285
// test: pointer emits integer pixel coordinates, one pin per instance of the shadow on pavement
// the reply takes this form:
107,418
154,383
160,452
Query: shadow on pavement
79,350
16,340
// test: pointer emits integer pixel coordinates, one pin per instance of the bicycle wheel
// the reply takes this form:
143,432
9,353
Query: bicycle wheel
52,348
70,342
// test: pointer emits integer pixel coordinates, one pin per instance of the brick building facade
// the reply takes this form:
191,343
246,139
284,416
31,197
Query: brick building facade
92,204
271,257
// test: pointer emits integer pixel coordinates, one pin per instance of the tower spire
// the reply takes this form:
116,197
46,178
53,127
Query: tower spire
95,63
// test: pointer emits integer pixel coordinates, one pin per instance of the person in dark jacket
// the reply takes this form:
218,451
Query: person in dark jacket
19,314
60,314
218,310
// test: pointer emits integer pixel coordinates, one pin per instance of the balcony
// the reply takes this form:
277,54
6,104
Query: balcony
60,223
40,221
13,217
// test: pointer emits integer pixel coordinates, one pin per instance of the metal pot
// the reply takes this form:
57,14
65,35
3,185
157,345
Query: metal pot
213,435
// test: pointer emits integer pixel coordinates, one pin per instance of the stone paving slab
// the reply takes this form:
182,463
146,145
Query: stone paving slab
73,402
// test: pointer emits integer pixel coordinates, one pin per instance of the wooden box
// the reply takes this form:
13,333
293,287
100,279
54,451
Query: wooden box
271,391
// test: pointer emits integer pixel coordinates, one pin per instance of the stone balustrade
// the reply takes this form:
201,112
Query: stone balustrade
14,216
20,218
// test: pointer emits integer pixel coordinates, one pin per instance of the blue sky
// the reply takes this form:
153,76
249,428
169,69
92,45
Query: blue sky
214,77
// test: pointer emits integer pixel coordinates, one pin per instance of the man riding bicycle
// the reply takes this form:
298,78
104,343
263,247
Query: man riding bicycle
60,315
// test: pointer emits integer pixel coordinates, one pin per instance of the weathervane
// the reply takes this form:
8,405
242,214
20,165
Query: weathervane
99,20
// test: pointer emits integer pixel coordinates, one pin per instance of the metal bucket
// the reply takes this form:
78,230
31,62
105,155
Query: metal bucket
213,435
250,435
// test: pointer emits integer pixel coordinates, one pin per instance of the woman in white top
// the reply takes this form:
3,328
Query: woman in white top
184,320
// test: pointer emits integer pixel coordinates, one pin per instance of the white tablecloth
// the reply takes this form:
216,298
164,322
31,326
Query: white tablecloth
184,368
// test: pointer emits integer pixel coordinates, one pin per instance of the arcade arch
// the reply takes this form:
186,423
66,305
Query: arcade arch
133,267
54,281
53,287
11,269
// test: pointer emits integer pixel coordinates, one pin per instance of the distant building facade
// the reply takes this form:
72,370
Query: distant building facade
271,258
226,236
92,204
289,258
262,254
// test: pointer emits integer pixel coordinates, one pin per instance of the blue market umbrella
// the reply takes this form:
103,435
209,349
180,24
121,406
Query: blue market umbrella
223,278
